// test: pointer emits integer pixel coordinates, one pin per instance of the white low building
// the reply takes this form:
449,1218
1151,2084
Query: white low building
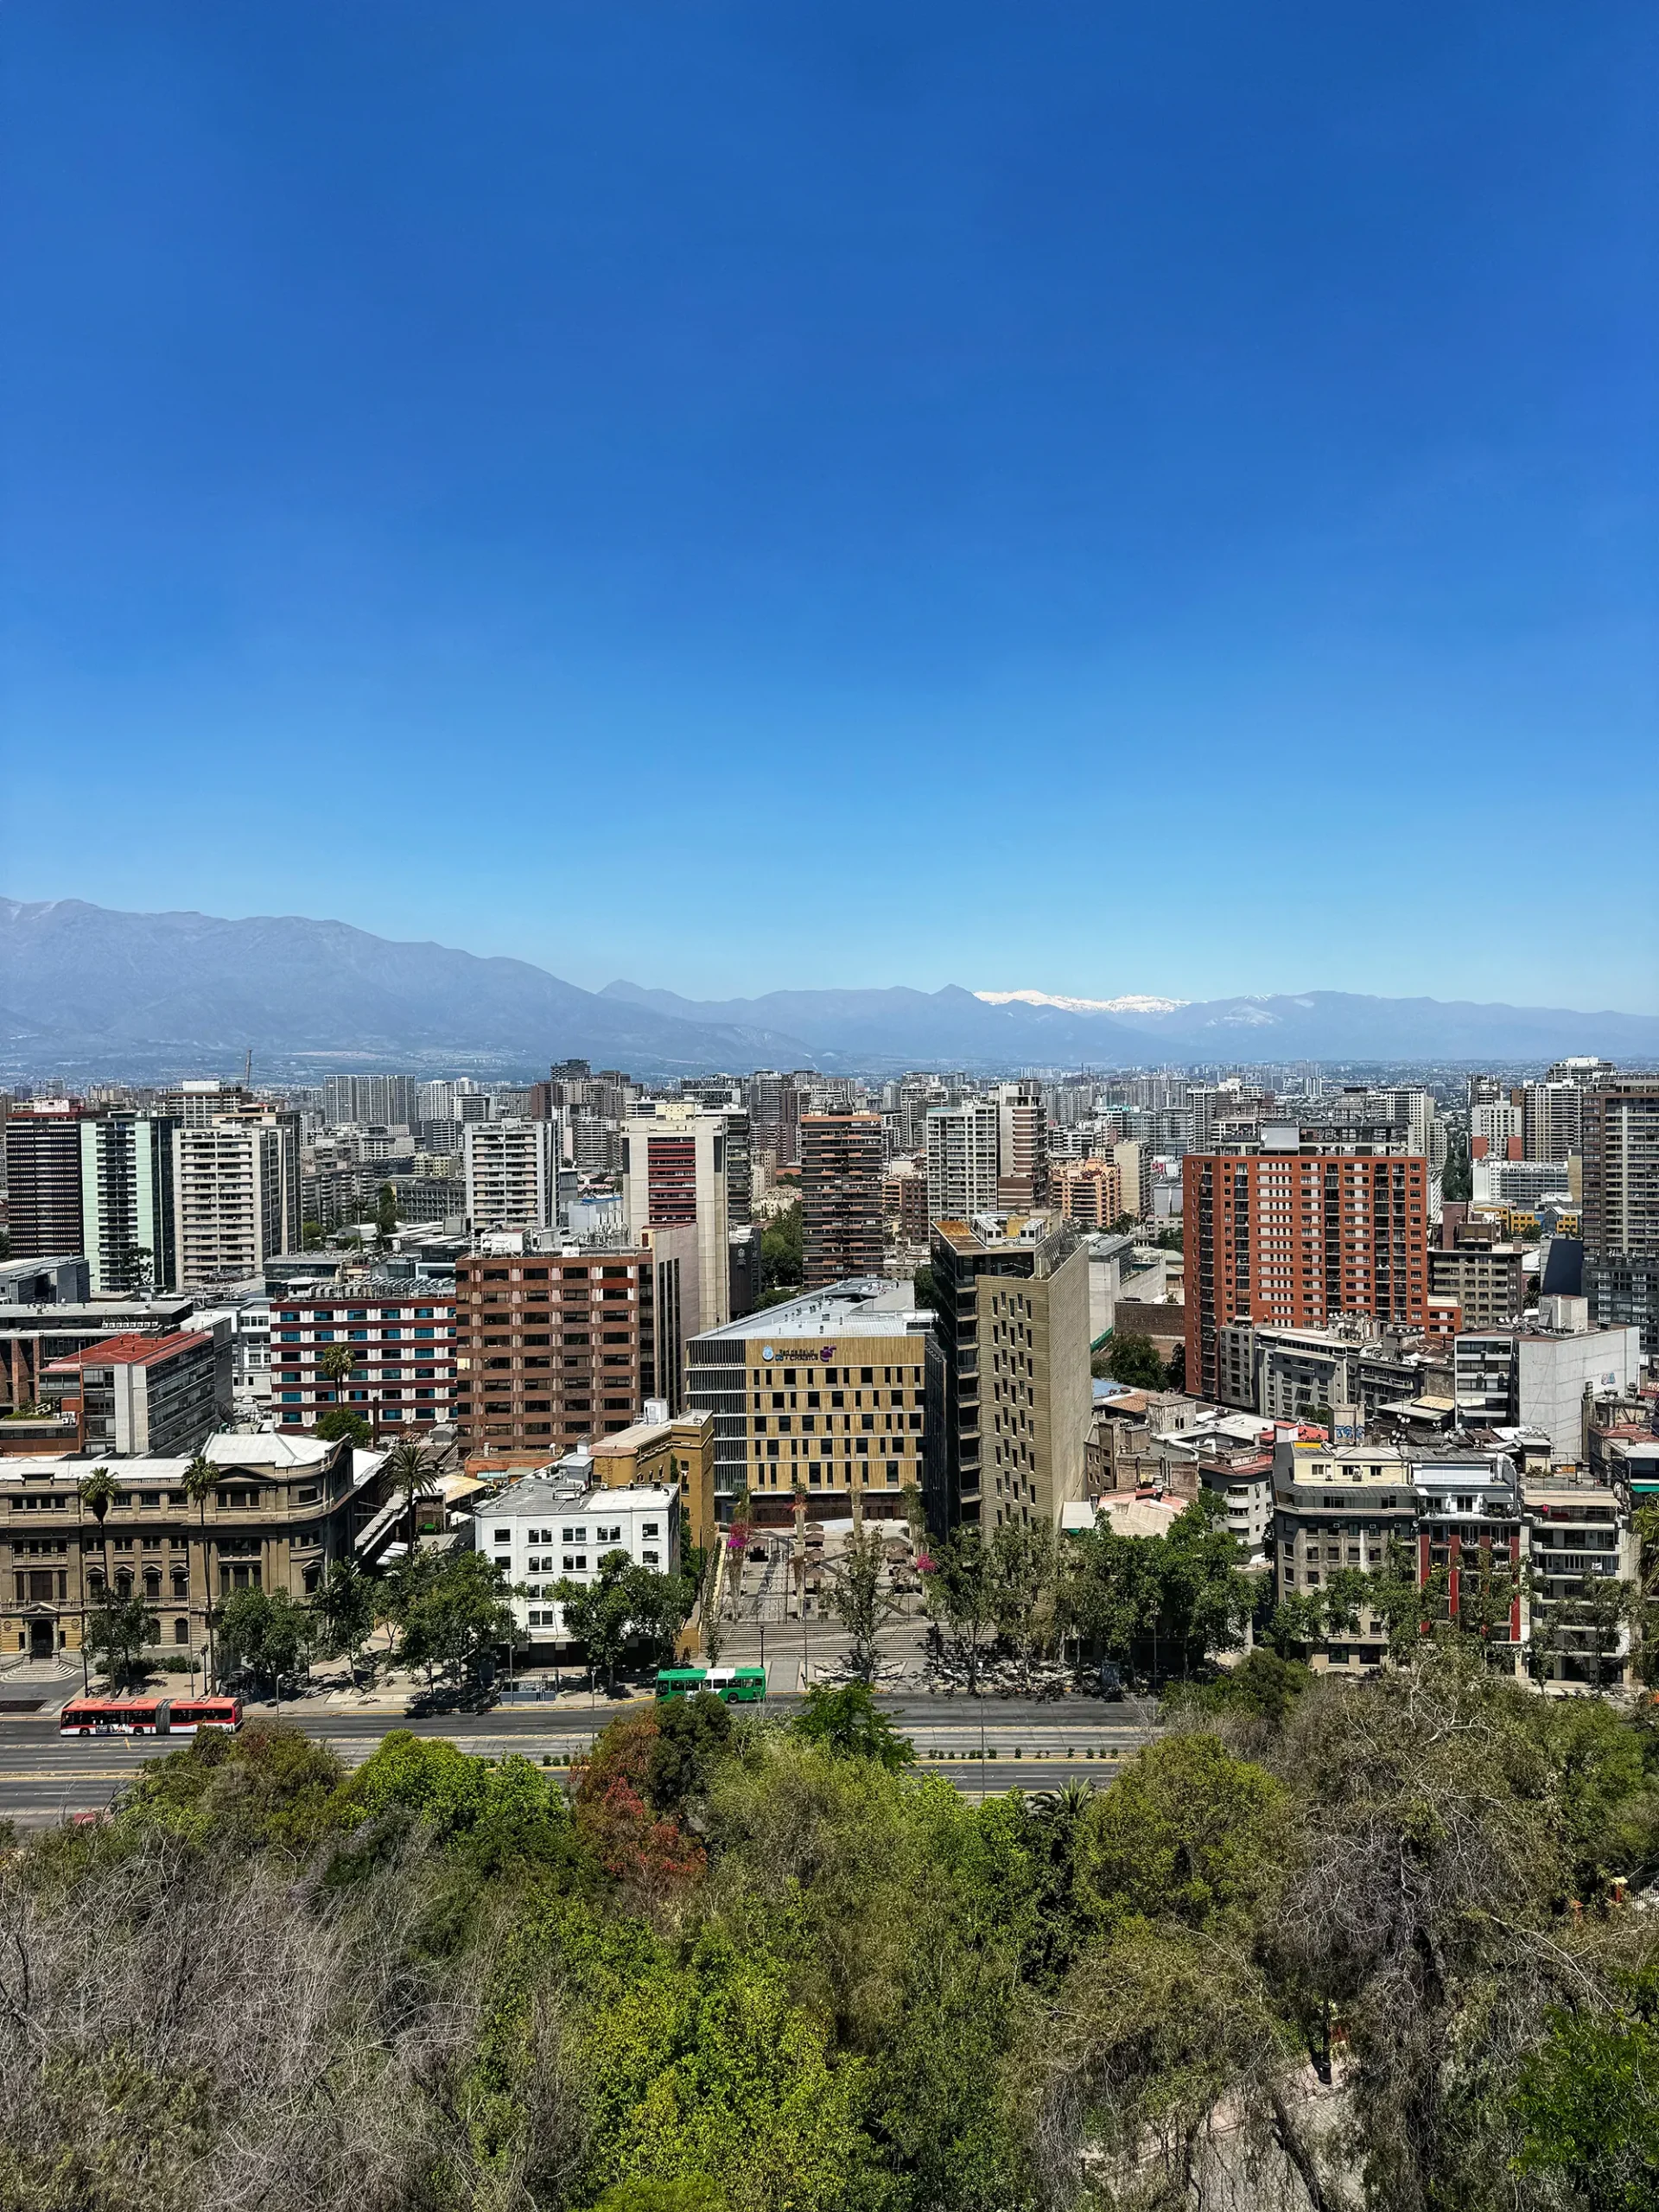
550,1528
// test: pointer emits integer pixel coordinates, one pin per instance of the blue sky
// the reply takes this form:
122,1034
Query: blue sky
1103,498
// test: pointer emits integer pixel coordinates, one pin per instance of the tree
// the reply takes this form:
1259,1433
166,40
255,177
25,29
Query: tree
860,1600
1588,2103
117,1635
625,1604
336,1363
266,1632
410,1473
311,1237
782,1250
347,1604
1457,1176
1175,1373
202,1480
960,1594
385,1211
340,1421
95,1494
849,1722
452,1612
1133,1359
1025,1583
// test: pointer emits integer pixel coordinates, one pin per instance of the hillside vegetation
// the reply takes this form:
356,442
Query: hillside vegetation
1351,1948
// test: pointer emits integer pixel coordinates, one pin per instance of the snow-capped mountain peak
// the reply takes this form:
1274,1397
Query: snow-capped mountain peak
1133,1002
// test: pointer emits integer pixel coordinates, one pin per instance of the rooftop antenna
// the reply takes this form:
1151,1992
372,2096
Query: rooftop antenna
247,1071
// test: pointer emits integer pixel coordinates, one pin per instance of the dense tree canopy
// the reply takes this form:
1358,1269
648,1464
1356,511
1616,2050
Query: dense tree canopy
1357,1947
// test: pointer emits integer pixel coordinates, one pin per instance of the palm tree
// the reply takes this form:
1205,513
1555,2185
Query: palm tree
411,1472
200,1481
98,1493
337,1364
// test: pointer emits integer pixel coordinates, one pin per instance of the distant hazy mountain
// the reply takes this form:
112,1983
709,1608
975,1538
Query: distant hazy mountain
958,1026
80,983
83,987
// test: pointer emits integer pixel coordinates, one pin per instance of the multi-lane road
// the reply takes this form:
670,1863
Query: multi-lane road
1028,1744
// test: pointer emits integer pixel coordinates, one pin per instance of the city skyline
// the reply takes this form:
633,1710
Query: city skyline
1218,440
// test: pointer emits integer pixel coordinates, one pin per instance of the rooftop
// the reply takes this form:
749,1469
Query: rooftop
129,1352
865,1306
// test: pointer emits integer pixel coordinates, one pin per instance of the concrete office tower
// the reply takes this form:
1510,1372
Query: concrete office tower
43,1178
236,1185
1021,1147
962,1160
674,1176
670,1319
1293,1237
841,1161
392,1099
1621,1205
128,1216
512,1174
1017,1391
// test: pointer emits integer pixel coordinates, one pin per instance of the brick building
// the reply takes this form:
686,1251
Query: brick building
551,1349
1297,1235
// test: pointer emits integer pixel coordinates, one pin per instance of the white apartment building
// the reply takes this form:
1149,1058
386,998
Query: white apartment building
963,1144
554,1526
512,1174
236,1183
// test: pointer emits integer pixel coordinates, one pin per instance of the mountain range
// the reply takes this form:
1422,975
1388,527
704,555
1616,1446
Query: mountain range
84,988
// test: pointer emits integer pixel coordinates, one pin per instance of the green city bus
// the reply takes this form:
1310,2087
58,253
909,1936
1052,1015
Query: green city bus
734,1685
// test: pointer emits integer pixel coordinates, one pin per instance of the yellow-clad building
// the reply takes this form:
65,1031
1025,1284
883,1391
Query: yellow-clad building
837,1395
678,1454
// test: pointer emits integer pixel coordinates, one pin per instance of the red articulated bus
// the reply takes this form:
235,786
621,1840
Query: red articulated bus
148,1716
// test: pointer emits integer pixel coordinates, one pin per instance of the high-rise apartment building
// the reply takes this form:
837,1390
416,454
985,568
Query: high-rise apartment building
1620,1207
549,1350
402,1342
841,1161
1017,1390
1295,1238
195,1105
42,1141
904,1204
129,1209
1021,1147
392,1099
836,1396
962,1153
775,1118
235,1184
512,1174
1090,1191
739,1166
674,1176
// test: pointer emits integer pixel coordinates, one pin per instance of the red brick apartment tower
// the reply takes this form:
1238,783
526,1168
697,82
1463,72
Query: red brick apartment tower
1294,1239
